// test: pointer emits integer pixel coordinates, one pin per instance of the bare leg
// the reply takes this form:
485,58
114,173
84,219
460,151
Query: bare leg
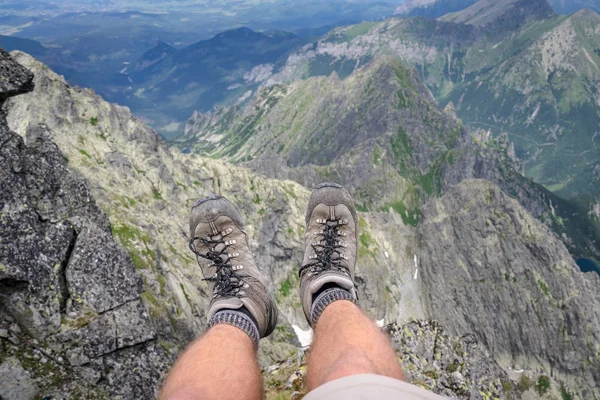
348,343
221,364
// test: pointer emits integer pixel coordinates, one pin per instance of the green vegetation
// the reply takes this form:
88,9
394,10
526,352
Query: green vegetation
525,383
94,121
285,287
187,297
543,385
150,299
129,236
357,30
564,393
290,192
453,367
401,148
365,240
409,217
156,194
84,153
377,154
367,246
543,287
507,386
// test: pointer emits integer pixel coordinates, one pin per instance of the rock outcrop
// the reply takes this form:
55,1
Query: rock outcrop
490,268
71,316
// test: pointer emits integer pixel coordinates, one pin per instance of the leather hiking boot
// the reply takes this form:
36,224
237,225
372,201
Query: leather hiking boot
330,244
222,251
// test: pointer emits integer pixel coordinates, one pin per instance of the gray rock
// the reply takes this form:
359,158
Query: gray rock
16,384
14,78
132,325
489,267
102,280
69,295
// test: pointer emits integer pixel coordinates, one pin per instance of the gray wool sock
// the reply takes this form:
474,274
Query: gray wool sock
326,298
239,320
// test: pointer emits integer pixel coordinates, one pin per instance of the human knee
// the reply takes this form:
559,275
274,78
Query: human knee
352,362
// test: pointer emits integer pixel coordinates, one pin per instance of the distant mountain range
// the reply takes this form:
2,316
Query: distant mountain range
168,84
506,66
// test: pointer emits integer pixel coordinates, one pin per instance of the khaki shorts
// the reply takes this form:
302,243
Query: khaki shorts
364,387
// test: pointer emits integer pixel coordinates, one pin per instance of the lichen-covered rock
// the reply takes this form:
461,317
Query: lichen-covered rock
14,78
490,268
70,309
454,367
16,384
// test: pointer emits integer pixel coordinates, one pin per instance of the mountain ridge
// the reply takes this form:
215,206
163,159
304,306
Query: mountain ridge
496,85
491,15
224,68
380,121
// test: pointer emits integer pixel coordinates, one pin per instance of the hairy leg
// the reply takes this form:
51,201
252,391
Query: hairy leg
348,343
219,365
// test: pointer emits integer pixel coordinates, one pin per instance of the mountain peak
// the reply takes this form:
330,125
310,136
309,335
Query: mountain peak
154,55
503,15
407,6
162,44
237,33
586,13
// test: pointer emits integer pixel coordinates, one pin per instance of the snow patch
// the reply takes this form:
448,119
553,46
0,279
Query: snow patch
304,337
416,268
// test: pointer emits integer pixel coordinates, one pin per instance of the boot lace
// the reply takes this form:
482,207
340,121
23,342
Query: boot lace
227,281
328,251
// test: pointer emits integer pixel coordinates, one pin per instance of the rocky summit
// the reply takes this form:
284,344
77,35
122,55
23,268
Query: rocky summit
99,292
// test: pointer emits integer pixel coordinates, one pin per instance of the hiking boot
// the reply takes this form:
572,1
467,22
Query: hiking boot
330,245
222,251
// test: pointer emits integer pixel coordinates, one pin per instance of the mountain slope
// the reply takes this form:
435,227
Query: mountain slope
167,86
432,8
496,82
440,8
490,305
506,15
156,54
572,6
549,107
380,133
